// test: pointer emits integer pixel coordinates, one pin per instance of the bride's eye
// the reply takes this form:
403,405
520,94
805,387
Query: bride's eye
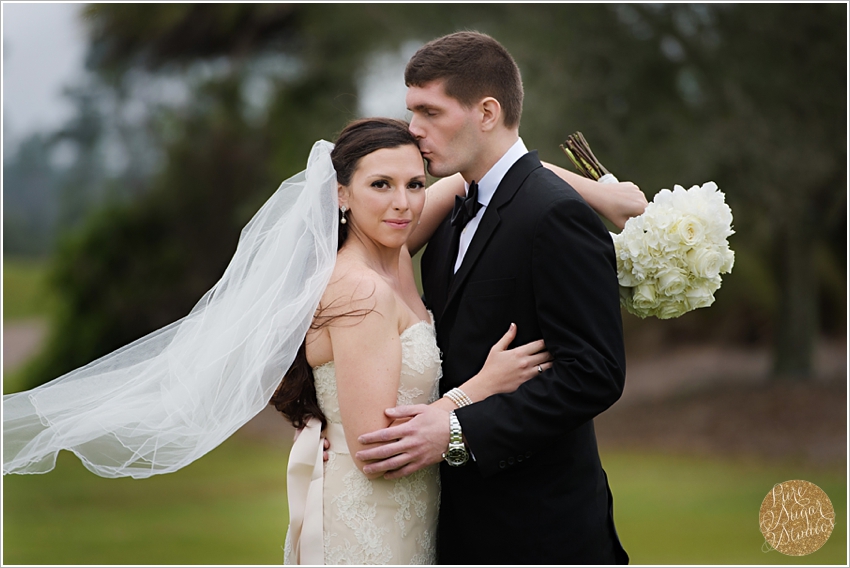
416,185
380,184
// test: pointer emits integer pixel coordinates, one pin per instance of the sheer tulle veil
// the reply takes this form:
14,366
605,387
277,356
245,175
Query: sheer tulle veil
167,399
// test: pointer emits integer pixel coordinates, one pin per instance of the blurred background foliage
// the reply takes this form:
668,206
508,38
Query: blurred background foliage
196,113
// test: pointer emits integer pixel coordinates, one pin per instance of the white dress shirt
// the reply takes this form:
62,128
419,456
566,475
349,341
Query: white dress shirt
487,186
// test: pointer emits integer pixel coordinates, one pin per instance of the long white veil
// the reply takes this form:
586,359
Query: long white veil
165,400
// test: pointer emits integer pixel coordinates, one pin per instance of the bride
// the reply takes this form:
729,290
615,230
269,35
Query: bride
165,400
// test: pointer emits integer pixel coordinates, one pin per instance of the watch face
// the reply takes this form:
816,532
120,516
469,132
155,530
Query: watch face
456,456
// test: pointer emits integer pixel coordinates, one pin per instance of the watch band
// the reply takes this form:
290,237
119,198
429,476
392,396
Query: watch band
456,454
456,434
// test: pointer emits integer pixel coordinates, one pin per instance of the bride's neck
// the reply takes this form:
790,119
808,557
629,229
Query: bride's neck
381,259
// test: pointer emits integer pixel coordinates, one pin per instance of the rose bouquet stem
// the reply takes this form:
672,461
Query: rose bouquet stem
578,151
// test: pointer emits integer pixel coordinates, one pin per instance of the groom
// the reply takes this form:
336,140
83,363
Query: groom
523,482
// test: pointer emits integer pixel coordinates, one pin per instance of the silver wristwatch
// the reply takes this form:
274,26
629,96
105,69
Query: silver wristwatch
456,453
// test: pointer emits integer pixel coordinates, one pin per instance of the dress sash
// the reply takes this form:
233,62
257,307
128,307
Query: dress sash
304,481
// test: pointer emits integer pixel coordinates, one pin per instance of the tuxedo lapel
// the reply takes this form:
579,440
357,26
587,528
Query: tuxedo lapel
504,193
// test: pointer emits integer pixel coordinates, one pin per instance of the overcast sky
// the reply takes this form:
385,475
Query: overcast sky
43,50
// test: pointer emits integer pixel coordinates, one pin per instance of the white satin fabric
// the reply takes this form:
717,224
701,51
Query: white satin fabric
339,516
162,402
305,492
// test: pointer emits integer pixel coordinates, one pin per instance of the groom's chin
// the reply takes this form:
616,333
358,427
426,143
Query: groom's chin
436,171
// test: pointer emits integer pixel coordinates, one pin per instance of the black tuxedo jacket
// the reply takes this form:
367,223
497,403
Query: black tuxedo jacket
536,492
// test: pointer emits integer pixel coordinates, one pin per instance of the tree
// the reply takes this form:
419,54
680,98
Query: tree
30,188
137,266
665,94
775,79
751,96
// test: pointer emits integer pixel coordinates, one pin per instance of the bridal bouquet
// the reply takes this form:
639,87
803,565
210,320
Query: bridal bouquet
670,258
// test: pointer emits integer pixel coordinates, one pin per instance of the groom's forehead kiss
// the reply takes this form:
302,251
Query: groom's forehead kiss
430,98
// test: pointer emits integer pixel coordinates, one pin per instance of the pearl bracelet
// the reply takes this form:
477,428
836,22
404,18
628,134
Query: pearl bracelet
458,397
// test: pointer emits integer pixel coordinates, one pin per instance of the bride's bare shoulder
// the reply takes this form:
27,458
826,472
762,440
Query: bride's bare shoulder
354,287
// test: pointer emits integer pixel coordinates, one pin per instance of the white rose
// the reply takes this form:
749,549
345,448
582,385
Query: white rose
691,230
705,262
671,281
671,309
644,298
699,297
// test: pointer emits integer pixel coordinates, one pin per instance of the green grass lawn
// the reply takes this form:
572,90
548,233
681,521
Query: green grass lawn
25,293
230,508
25,297
14,381
688,510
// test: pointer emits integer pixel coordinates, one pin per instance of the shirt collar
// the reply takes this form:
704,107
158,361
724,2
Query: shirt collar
488,184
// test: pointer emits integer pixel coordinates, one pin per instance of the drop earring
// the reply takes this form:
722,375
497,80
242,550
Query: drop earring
342,211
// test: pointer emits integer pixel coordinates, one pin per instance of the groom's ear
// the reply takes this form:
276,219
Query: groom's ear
491,113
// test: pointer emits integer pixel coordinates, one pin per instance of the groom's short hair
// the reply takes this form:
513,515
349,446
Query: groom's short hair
474,66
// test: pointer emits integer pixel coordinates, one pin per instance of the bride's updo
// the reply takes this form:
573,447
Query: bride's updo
296,395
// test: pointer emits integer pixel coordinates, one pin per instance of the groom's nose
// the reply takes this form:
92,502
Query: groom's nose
415,129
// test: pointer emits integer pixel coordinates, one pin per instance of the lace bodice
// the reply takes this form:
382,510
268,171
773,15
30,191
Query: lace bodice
380,521
419,354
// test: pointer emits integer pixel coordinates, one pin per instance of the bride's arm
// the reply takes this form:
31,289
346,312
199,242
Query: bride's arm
617,202
506,369
367,357
439,200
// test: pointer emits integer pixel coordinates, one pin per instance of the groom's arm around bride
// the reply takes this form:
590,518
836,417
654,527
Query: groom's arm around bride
534,491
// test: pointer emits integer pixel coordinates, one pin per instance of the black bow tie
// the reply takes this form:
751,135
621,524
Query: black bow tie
466,207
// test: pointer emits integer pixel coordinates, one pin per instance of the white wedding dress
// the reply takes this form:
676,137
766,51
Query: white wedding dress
337,514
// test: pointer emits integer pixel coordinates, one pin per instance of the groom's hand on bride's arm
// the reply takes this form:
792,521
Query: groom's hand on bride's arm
410,446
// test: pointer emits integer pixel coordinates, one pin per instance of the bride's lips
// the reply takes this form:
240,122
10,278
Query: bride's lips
397,223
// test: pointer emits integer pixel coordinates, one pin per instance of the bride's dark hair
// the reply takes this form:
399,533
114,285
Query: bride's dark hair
296,395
